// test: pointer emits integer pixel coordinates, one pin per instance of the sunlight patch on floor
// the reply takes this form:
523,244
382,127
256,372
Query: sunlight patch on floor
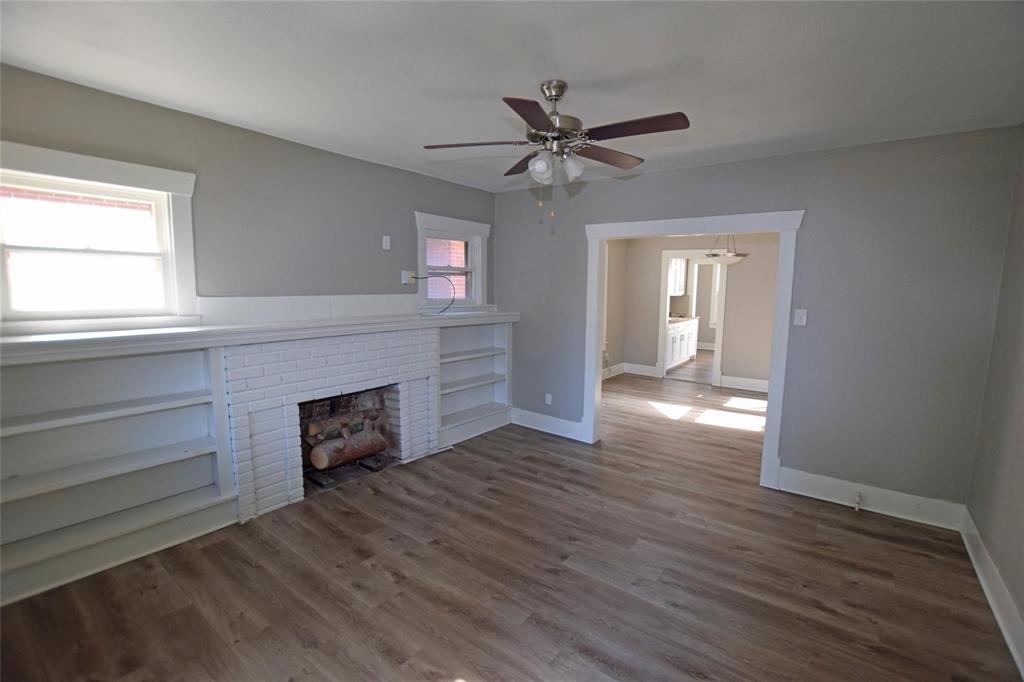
731,420
671,410
749,404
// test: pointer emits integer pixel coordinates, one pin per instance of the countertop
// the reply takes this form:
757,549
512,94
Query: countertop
672,321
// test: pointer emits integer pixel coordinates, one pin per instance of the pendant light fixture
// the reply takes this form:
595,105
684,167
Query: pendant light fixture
728,256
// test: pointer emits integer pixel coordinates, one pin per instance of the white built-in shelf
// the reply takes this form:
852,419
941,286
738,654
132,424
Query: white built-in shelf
96,413
471,382
472,414
91,532
20,487
456,356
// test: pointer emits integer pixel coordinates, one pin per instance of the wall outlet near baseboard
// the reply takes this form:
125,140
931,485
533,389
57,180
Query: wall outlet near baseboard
407,276
547,398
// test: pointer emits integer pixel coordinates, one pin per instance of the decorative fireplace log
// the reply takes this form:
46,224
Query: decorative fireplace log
337,451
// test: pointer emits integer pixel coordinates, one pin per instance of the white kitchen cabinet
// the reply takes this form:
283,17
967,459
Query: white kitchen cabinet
677,276
680,342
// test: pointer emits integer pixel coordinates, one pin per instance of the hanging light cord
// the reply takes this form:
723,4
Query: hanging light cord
448,279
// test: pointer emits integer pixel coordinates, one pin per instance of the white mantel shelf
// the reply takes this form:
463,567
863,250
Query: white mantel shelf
39,348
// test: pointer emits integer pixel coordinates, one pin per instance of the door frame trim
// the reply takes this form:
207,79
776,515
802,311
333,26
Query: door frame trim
786,223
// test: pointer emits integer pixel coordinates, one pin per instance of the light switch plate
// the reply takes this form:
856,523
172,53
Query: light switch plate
800,317
386,242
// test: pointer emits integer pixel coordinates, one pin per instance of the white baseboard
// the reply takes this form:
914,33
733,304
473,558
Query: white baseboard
932,512
759,385
613,371
549,424
642,370
705,345
1007,614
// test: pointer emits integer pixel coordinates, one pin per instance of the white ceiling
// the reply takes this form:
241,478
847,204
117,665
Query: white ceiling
379,80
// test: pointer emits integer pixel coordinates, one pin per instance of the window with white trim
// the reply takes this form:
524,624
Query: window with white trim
88,243
449,269
452,264
76,249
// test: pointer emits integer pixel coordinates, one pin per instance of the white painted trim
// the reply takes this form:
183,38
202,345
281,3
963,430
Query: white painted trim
705,345
553,425
593,341
716,359
1006,611
42,161
182,254
784,222
745,384
428,224
927,510
642,370
465,228
771,461
737,223
614,370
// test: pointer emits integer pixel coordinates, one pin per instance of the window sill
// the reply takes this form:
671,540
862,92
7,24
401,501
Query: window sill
23,327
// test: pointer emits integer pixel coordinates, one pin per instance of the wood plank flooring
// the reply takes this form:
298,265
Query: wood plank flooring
699,370
651,556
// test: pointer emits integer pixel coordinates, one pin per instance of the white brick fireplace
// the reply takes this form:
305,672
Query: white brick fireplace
266,382
167,434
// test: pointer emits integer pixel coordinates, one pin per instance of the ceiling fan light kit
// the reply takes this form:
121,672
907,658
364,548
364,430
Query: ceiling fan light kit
563,137
542,167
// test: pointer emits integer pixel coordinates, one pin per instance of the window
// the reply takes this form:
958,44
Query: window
89,243
448,269
73,249
452,261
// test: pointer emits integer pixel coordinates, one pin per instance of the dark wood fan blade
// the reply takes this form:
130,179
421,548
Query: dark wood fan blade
472,144
522,165
531,112
640,126
609,156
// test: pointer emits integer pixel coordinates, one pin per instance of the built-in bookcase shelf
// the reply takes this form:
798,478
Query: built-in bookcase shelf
458,356
474,380
56,419
108,458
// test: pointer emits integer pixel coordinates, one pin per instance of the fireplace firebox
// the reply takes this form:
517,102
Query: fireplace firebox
343,430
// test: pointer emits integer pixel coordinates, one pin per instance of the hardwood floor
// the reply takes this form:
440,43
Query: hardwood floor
651,556
698,370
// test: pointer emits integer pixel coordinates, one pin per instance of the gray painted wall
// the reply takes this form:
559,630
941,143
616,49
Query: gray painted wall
996,501
616,303
894,262
271,217
747,331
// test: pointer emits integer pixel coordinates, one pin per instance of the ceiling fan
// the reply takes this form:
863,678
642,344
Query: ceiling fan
563,137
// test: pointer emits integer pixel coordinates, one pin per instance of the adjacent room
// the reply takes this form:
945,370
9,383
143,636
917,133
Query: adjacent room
465,341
